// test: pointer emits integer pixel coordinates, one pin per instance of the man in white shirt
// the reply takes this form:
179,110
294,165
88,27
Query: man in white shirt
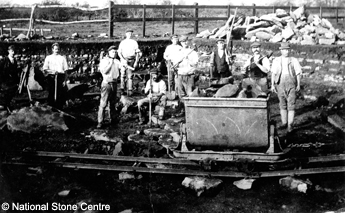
55,66
158,91
129,54
286,79
110,69
169,55
187,60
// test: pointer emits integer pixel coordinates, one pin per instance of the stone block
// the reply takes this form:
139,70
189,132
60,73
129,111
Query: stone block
287,33
263,36
326,41
201,184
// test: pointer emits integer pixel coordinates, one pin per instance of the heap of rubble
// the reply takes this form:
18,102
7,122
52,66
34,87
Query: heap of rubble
296,27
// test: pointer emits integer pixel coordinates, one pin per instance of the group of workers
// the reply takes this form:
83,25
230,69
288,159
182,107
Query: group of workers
181,61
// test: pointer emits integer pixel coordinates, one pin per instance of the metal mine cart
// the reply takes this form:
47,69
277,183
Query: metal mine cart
228,129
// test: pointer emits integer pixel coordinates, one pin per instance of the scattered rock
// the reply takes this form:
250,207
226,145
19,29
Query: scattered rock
337,122
32,119
295,184
101,135
156,132
64,193
201,184
139,138
244,184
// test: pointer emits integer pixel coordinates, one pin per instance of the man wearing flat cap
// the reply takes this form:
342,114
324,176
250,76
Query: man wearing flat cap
221,61
157,95
286,77
109,66
186,62
169,55
256,67
129,54
55,66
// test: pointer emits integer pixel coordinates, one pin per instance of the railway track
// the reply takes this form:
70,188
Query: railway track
296,166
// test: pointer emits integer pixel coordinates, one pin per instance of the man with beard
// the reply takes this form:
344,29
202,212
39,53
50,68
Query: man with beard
129,54
55,66
257,68
157,96
9,78
286,77
109,67
221,61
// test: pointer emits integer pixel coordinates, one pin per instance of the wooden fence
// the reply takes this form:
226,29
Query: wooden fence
333,13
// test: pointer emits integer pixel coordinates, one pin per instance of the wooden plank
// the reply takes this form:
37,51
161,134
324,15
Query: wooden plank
22,29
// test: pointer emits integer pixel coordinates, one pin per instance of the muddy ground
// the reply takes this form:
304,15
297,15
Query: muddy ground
164,193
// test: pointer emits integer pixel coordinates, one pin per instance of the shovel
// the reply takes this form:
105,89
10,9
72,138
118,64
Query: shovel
150,102
171,95
55,91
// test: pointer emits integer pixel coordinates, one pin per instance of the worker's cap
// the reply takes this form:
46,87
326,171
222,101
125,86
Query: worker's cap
220,40
174,37
112,48
11,47
55,44
255,44
154,71
129,30
183,38
284,45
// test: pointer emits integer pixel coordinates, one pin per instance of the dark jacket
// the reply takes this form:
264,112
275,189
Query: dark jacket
9,73
255,70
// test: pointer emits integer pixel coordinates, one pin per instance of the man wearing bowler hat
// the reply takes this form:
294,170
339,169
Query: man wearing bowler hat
110,68
221,61
286,77
157,95
129,54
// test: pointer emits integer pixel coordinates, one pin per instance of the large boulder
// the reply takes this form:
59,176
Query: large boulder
32,119
227,91
326,41
287,33
263,36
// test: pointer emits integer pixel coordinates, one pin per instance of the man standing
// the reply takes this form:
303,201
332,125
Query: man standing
129,54
170,53
9,78
187,61
109,67
286,77
55,65
221,61
157,95
257,68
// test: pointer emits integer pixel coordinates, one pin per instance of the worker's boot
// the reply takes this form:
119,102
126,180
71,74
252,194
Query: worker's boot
291,116
284,117
161,113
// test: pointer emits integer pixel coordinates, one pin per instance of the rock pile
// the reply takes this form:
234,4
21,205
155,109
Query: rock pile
296,27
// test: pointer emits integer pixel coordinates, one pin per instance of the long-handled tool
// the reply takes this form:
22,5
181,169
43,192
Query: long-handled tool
55,90
171,95
229,33
150,102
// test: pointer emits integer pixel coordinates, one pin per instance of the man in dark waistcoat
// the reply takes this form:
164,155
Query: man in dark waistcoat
221,61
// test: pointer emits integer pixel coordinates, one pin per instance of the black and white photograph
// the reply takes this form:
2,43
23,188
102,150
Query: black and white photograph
172,106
